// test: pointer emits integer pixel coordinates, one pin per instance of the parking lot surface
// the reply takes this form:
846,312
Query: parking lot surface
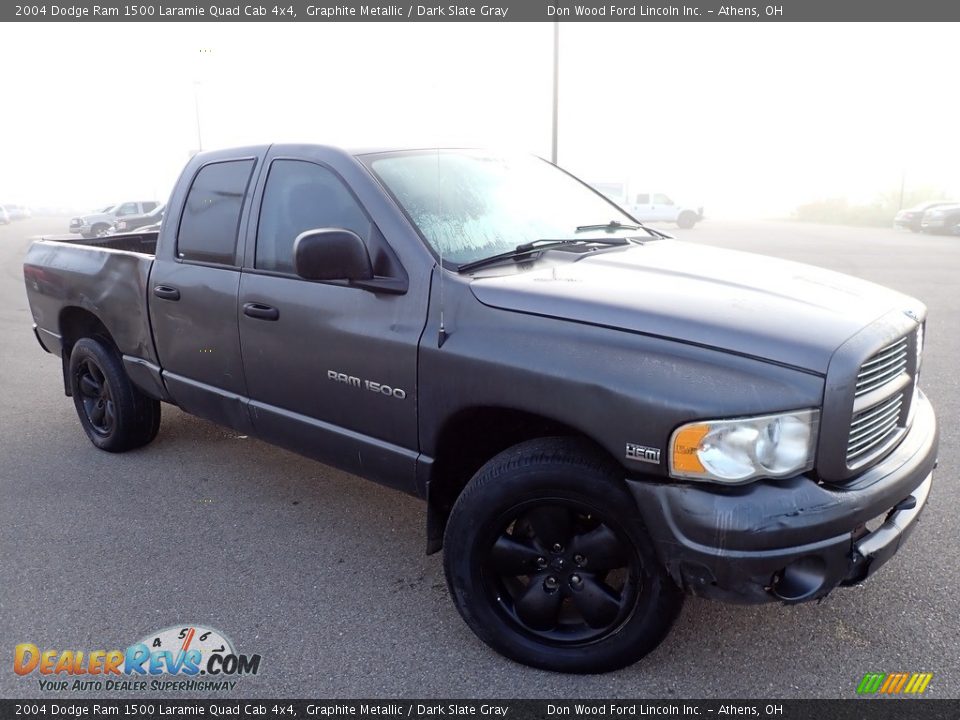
324,575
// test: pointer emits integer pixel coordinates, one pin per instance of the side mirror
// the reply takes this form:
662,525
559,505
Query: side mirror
331,254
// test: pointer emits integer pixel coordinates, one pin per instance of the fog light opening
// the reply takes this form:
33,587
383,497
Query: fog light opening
800,580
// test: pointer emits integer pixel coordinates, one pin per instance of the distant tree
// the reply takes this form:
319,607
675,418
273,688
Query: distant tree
880,212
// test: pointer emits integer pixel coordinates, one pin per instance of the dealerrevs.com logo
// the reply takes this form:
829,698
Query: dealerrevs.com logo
184,657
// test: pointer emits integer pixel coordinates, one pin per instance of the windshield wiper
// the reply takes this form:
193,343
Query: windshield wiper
536,246
615,225
612,226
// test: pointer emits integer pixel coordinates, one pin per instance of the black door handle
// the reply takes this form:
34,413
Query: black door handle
166,292
261,311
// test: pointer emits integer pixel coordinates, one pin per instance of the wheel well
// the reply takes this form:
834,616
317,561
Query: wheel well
76,323
466,442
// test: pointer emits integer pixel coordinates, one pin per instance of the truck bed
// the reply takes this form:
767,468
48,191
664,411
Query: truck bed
144,243
107,277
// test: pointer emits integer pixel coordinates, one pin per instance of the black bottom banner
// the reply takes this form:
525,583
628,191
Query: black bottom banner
854,709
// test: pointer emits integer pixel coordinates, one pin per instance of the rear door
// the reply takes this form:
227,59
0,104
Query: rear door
331,369
194,286
642,208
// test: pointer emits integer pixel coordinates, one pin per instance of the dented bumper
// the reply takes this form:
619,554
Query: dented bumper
791,540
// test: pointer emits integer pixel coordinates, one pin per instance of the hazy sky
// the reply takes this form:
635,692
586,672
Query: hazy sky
745,118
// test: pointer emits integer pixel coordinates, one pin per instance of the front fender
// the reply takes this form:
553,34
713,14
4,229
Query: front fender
614,386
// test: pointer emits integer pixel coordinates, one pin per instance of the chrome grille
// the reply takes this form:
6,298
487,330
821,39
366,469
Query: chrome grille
872,427
886,365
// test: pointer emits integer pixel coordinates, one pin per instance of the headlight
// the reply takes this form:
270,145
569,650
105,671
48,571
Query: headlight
736,451
122,225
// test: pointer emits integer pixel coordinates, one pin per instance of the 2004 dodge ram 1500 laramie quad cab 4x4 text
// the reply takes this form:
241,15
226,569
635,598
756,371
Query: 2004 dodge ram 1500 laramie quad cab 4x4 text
600,418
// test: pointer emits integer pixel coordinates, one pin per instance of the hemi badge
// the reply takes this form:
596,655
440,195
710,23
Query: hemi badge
642,453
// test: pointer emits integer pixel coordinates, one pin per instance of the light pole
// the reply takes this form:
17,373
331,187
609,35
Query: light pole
556,90
196,110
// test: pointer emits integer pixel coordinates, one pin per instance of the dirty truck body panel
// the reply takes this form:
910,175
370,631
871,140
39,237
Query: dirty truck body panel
416,374
321,328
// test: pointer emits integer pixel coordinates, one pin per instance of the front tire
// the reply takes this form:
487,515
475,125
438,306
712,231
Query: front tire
687,220
115,415
548,561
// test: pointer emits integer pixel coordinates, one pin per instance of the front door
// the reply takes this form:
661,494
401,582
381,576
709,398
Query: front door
662,208
331,370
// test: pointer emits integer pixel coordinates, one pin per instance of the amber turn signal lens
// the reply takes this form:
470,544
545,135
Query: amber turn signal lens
685,446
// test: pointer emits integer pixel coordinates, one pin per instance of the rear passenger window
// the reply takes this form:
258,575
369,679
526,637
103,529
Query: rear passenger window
211,216
302,196
643,199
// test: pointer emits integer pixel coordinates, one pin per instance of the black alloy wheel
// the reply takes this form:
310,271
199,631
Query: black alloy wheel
548,560
95,396
562,573
113,412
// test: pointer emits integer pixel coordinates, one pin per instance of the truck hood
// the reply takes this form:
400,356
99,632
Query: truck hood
777,310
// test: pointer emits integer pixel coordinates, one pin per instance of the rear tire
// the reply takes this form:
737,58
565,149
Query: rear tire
549,564
115,414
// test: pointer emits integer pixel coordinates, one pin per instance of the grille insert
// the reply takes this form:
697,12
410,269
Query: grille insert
886,365
873,427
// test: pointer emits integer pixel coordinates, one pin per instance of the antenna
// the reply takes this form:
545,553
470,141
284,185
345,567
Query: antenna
442,335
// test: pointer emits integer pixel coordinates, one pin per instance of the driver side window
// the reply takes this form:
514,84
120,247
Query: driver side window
300,196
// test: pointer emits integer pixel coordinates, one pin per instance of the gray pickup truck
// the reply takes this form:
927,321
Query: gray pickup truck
99,222
600,418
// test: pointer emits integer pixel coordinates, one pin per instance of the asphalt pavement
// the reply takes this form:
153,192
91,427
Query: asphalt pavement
324,575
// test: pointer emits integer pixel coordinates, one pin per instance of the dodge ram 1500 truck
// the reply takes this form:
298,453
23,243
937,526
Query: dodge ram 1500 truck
600,418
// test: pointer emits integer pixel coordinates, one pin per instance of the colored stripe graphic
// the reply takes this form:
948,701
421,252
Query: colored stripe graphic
897,686
924,680
871,683
894,683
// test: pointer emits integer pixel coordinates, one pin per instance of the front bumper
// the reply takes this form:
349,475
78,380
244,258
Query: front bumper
791,540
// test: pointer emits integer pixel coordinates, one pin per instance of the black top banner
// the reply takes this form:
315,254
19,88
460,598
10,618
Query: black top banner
486,11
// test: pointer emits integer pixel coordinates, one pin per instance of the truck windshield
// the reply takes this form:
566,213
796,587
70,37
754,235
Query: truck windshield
470,204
